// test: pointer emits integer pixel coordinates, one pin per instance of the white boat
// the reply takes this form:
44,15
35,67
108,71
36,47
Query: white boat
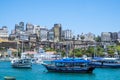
36,60
21,63
13,60
39,61
106,62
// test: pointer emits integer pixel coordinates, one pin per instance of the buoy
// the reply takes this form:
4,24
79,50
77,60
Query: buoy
9,78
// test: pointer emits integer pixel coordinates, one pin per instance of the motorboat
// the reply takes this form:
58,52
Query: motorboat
21,63
106,62
13,60
69,65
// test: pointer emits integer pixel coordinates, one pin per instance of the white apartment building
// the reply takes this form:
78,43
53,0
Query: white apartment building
89,37
68,34
43,34
4,32
105,36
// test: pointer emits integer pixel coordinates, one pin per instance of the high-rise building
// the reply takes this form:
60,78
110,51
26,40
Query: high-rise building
67,34
19,28
89,36
43,34
29,28
24,36
51,35
119,35
4,32
57,32
105,37
21,24
114,36
36,29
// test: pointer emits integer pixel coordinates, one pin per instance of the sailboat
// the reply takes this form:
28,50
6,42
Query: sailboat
22,62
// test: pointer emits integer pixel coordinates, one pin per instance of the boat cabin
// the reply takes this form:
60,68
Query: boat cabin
71,63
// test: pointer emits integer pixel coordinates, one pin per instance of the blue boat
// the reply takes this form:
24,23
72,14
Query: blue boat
69,66
106,62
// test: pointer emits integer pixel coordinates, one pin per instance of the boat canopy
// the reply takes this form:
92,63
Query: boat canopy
69,60
103,59
98,58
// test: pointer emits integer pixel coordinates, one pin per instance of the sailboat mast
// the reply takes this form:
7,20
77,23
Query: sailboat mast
17,48
22,42
67,49
22,46
16,40
95,49
73,46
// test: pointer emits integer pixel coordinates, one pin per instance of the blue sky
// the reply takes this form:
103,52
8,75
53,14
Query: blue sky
81,16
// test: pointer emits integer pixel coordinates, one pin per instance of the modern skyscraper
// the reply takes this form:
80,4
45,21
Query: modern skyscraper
19,28
21,24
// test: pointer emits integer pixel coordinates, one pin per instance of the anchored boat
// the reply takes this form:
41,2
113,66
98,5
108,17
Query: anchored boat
69,66
21,63
106,62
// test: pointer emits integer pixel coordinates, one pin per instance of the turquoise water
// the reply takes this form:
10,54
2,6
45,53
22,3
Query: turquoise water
38,72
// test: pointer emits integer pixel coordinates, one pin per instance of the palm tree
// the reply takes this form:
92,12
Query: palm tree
111,50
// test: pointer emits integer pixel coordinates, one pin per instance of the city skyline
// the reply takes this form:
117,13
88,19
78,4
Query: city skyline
81,16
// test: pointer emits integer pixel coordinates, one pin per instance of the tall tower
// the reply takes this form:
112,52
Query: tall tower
57,32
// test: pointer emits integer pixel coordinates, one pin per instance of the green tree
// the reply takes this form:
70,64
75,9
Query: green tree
98,39
111,50
90,51
99,51
78,52
118,48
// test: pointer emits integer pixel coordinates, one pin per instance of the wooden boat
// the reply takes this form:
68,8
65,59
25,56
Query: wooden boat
106,62
22,63
69,66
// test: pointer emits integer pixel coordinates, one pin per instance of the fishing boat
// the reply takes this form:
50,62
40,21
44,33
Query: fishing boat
106,62
21,63
69,66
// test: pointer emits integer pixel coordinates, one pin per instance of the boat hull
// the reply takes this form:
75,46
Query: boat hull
21,65
69,69
105,65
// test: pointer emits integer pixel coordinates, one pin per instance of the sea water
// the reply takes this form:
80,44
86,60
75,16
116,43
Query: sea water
38,72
